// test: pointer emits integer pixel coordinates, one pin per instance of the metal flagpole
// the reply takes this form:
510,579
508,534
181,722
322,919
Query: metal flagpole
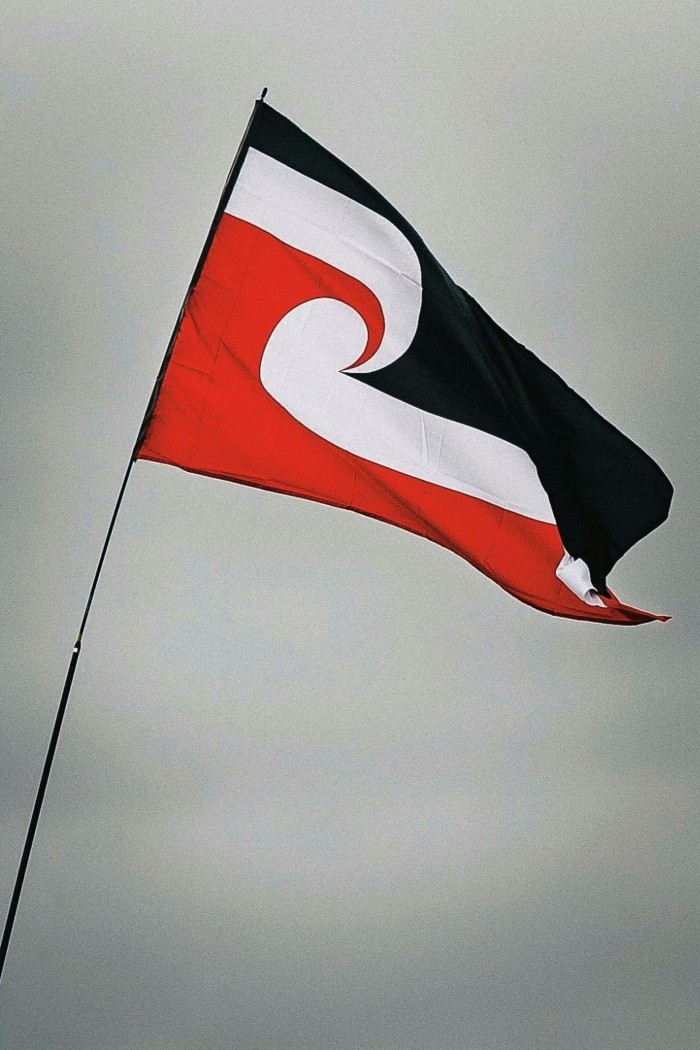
63,703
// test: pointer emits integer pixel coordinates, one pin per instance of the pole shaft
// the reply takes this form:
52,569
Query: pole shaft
53,742
63,703
29,841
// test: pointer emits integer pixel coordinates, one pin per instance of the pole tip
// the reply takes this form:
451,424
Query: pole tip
262,96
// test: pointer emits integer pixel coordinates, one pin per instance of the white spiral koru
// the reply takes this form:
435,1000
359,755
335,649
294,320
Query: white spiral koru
312,354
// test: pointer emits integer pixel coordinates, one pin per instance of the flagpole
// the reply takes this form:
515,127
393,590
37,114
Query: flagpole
53,742
75,654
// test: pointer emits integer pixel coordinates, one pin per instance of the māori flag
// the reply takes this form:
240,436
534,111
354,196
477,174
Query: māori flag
323,352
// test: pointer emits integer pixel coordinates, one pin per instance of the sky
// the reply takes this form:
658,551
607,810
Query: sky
321,785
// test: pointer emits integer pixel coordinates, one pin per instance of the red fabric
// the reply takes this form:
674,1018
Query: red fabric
213,416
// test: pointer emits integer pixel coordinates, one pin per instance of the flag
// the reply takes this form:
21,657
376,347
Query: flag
323,352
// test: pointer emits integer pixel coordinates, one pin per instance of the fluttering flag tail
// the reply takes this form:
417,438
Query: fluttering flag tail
323,352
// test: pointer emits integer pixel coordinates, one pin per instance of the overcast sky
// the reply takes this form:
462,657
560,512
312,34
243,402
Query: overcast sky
321,785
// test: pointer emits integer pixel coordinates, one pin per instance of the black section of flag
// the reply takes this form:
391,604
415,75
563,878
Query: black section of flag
606,493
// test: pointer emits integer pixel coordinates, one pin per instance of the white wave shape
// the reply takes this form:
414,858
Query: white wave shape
306,366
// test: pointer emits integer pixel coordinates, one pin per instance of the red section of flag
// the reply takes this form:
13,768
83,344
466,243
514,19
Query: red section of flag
213,416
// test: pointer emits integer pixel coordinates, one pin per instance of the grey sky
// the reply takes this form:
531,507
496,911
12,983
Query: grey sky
322,786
